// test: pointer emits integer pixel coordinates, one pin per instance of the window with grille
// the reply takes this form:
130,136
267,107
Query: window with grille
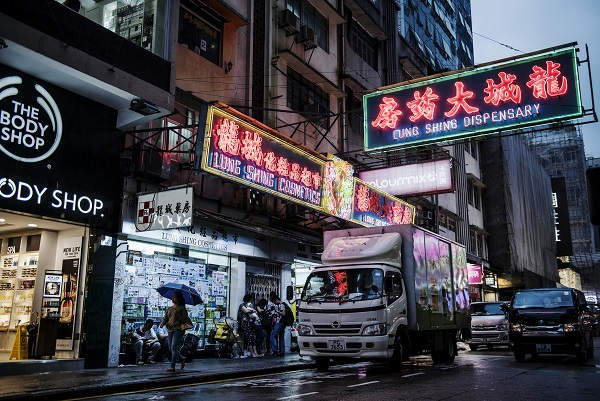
304,96
364,45
310,17
179,139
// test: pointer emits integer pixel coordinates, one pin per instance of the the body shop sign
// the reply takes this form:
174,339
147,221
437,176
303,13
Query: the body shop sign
242,152
535,89
56,163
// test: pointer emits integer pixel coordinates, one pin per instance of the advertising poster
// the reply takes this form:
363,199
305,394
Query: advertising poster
71,259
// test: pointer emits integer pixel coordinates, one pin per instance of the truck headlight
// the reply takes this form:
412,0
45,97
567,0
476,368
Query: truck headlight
501,327
570,327
516,327
304,330
375,330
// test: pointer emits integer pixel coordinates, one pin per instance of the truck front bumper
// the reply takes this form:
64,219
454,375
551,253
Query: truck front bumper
371,347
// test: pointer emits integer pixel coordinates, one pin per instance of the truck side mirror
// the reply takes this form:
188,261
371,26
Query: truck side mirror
504,307
289,293
388,284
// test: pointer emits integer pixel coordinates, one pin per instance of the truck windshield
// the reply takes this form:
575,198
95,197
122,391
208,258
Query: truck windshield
542,299
343,285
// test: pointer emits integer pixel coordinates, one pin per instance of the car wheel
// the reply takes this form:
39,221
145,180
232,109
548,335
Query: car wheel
473,347
519,354
582,356
322,364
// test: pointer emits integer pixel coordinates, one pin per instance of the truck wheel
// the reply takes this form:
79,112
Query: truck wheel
322,364
473,347
447,353
397,356
519,354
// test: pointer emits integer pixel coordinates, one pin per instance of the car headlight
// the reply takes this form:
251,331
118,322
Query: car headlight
304,330
569,327
375,330
502,327
516,327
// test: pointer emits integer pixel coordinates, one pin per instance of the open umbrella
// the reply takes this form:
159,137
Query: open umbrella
190,295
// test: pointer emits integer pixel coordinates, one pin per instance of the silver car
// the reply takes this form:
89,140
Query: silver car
489,325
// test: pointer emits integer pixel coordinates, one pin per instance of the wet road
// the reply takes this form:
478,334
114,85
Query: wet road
475,375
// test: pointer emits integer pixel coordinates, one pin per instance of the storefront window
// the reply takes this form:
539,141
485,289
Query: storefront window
149,267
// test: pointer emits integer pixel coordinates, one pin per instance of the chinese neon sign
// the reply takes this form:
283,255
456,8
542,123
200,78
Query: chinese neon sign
533,90
242,152
373,207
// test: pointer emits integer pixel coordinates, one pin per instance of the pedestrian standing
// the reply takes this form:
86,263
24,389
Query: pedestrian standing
247,316
278,333
176,318
263,321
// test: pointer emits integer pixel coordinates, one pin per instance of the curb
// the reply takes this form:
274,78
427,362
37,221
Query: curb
148,384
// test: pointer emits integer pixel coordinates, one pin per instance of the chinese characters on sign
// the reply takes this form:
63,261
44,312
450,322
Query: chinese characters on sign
373,207
239,151
530,91
165,210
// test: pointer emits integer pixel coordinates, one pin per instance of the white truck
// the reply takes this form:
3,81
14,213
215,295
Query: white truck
385,293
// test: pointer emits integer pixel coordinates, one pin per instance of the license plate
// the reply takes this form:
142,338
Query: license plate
543,348
336,345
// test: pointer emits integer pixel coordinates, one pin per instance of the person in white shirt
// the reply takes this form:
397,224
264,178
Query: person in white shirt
145,338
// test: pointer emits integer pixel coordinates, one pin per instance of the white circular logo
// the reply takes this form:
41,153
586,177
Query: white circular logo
30,121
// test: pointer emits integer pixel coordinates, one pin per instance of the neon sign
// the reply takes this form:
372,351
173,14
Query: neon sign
532,90
373,207
239,151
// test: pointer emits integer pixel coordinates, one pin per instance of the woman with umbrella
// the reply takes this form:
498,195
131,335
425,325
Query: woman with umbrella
176,319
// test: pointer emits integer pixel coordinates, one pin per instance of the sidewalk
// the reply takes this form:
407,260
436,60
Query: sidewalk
81,383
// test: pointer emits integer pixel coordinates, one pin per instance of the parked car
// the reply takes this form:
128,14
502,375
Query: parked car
550,321
489,325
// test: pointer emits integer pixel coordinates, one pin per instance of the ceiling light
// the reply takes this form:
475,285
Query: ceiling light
31,225
2,220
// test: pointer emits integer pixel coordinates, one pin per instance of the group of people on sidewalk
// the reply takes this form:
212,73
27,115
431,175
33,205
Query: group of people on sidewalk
262,325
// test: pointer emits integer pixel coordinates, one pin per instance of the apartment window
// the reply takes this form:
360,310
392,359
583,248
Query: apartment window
310,17
451,224
476,242
472,148
304,96
201,33
363,45
180,140
474,195
139,22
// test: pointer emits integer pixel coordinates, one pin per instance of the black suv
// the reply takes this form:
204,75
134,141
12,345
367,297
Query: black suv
552,321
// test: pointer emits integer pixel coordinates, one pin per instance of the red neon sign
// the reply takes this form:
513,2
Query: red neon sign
239,151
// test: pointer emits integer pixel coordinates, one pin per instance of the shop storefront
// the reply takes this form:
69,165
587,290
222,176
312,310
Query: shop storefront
220,262
58,183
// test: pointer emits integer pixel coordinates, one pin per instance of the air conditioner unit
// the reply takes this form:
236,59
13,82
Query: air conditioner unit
308,37
288,20
149,164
